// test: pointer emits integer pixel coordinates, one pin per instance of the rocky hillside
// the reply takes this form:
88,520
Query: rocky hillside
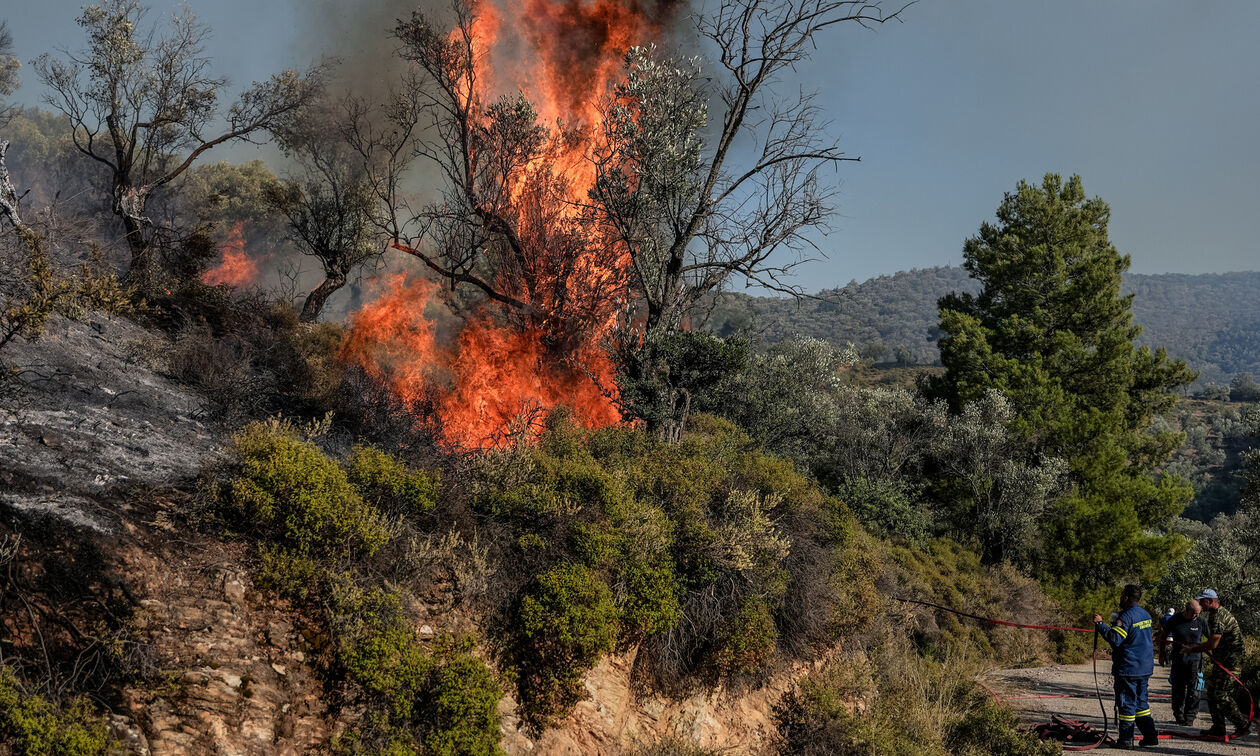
163,627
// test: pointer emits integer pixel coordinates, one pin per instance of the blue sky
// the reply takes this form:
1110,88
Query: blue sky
1155,103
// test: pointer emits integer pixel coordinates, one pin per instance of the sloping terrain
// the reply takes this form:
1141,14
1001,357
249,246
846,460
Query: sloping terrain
89,438
121,597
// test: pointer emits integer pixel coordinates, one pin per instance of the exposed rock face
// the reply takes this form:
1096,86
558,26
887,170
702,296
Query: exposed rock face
238,683
83,417
616,717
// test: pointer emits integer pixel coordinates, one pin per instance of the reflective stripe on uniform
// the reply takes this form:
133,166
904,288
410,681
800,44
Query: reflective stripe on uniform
1121,631
1127,717
1143,713
1142,623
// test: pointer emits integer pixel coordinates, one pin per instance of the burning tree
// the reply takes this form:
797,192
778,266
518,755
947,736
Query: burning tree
596,188
146,107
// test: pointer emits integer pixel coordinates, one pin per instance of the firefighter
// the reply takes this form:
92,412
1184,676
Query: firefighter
1225,645
1133,663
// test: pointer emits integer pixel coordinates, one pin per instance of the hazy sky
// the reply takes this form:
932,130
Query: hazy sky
1155,103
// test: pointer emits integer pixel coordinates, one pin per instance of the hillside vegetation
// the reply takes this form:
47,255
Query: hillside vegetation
1211,321
514,503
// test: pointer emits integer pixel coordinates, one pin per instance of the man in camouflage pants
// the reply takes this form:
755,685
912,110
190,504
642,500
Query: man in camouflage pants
1225,645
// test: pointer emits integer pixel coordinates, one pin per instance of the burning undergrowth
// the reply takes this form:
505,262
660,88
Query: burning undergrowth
519,87
236,268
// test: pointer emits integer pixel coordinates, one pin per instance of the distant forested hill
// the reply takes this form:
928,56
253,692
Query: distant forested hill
1211,321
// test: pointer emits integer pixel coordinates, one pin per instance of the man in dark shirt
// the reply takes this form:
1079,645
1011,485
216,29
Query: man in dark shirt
1182,631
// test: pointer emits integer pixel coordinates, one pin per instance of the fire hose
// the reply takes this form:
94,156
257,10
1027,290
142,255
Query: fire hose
1072,731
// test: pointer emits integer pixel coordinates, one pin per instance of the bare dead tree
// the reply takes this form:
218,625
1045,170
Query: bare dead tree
330,204
9,195
694,213
145,106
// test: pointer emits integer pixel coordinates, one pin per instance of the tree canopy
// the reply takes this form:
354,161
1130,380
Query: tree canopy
1051,330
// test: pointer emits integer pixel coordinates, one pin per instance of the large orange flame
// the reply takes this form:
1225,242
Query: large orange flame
236,269
564,55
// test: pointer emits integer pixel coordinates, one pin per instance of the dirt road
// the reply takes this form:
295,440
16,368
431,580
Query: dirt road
1076,679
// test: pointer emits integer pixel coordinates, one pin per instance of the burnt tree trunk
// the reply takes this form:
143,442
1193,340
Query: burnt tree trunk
314,303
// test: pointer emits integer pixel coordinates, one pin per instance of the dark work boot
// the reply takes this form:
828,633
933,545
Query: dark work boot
1217,731
1150,735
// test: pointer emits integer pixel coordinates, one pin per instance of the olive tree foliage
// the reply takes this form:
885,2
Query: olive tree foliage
1003,494
903,463
328,201
9,66
690,208
687,207
1225,553
145,106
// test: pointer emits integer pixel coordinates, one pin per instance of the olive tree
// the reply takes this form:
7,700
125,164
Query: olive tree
9,66
328,202
696,199
145,106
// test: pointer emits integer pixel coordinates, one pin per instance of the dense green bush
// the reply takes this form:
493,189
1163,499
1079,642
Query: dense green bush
389,482
316,531
748,642
713,556
568,620
821,719
446,700
291,493
31,725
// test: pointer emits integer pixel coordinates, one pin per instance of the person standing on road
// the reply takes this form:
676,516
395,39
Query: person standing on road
1225,646
1132,664
1184,630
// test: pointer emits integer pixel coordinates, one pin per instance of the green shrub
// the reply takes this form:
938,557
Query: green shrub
378,649
887,506
286,572
387,481
447,700
819,720
568,621
293,494
34,726
749,641
532,542
990,729
463,705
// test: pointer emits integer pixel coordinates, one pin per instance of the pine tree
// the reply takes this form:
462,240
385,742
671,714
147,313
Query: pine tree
1051,329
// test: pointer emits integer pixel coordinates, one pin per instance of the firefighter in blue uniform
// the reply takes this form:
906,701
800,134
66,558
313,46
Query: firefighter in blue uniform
1132,664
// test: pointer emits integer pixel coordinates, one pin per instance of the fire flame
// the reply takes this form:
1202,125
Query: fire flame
235,269
564,55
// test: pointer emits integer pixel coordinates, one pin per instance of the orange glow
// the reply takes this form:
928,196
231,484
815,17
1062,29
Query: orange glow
235,269
505,363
